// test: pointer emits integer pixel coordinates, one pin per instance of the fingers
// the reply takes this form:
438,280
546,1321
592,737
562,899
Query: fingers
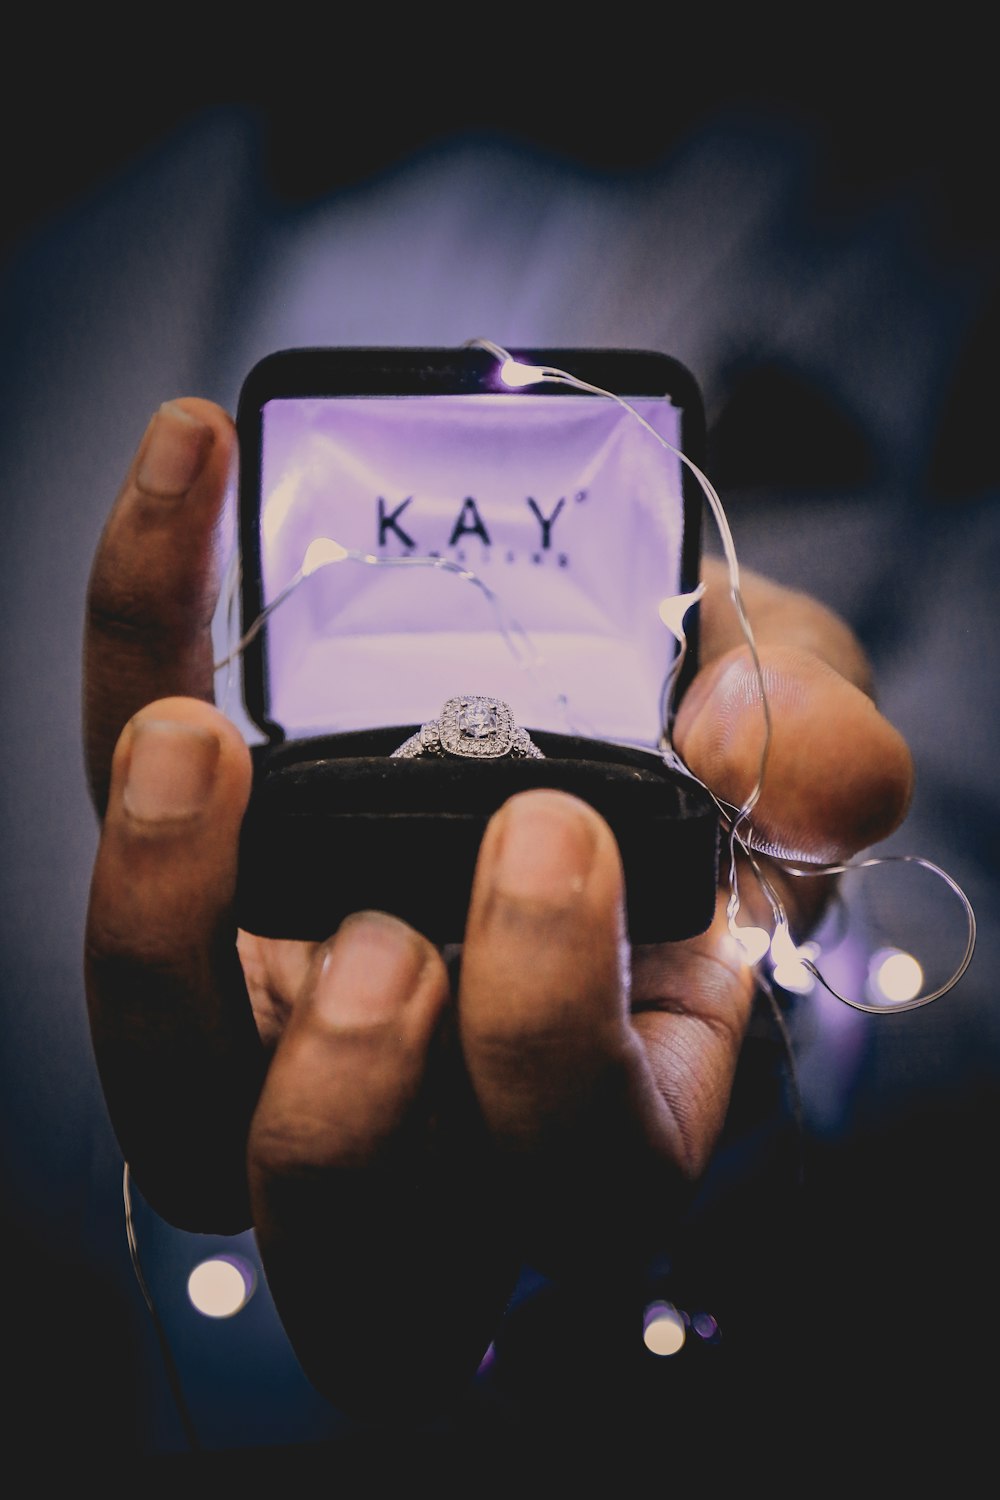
374,1218
154,581
779,615
691,1004
348,1069
599,1134
178,1054
839,776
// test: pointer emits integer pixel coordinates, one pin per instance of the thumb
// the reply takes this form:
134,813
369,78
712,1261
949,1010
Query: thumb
838,776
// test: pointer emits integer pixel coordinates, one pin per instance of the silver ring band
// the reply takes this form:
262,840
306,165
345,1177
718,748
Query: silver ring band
472,727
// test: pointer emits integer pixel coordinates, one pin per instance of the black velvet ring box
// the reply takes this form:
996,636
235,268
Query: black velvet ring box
337,825
563,513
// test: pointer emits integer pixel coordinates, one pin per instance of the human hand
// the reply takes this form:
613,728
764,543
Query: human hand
397,1141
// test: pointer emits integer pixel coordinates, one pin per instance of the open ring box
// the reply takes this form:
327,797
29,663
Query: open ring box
417,524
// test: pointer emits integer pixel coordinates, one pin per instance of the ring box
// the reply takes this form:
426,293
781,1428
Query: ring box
415,525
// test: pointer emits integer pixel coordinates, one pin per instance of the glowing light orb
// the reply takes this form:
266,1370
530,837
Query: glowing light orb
789,970
753,941
895,975
221,1286
515,374
663,1329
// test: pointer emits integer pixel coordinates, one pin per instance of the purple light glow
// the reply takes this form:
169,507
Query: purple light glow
706,1327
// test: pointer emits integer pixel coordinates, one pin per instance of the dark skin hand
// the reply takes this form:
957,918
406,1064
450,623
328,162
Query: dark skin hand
397,1141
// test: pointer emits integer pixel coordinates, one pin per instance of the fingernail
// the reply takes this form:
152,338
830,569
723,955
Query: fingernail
171,769
173,453
545,850
372,966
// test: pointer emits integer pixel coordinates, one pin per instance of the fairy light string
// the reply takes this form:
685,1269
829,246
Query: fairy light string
517,373
755,943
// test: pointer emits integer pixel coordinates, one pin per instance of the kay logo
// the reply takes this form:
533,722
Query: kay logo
401,524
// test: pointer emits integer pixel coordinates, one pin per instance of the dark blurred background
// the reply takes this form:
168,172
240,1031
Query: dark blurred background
804,212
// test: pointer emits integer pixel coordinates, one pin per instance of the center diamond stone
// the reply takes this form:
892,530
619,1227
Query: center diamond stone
478,719
477,726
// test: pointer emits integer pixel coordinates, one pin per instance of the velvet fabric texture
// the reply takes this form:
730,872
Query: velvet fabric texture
336,825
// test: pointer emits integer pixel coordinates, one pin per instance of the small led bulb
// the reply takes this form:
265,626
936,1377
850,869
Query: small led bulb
754,941
674,607
789,970
515,374
320,552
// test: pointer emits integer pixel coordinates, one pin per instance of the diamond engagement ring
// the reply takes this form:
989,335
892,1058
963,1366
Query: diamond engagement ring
473,727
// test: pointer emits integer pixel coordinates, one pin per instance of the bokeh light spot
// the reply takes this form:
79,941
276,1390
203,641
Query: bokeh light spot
663,1329
706,1327
221,1286
894,975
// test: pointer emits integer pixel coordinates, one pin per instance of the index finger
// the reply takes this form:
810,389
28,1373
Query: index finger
173,1033
154,581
